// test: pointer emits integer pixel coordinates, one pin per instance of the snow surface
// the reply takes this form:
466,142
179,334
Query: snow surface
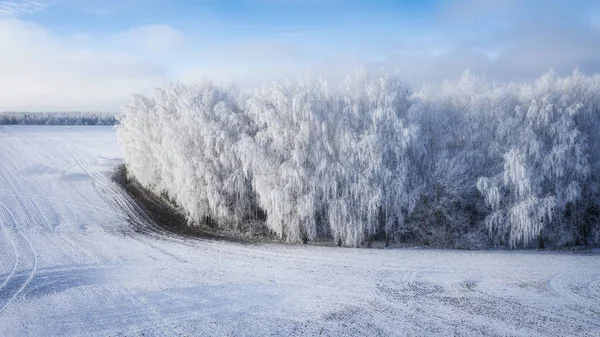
73,262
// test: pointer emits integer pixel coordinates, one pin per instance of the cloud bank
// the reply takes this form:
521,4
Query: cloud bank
42,71
67,69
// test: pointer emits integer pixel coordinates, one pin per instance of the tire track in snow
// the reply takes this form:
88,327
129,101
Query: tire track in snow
48,281
15,253
81,205
470,285
26,256
409,285
140,221
21,204
35,217
580,288
122,201
15,285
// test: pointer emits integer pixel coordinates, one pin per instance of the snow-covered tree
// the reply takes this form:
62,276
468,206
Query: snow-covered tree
181,143
330,160
545,162
368,159
455,121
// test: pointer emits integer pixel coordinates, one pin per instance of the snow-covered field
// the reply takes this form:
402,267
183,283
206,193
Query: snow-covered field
73,262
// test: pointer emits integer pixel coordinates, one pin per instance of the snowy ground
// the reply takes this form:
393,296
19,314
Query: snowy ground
71,264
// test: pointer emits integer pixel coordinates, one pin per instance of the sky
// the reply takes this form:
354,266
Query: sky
66,55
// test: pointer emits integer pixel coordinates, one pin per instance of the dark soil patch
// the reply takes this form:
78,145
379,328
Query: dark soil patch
170,219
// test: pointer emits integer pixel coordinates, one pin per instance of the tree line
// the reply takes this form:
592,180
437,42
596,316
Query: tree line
57,118
465,164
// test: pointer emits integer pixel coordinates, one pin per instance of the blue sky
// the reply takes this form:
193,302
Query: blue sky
91,55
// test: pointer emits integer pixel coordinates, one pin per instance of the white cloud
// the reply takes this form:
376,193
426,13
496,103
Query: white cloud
248,62
43,71
20,8
503,40
155,39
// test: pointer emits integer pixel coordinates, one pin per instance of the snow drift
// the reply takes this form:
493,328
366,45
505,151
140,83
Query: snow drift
465,163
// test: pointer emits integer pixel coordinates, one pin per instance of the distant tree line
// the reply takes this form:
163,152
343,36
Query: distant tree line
462,164
57,118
